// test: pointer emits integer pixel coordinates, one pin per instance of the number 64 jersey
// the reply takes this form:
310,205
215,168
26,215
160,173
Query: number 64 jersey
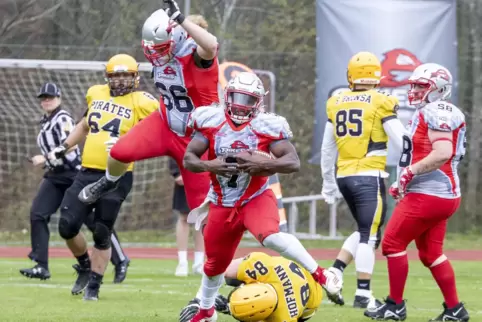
299,296
439,116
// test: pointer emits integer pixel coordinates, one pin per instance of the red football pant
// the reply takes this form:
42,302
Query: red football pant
422,218
226,226
153,138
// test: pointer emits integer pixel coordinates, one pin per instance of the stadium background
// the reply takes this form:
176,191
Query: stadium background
277,35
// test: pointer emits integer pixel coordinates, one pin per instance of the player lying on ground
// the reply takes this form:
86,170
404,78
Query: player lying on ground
186,73
267,289
239,140
428,192
360,122
113,109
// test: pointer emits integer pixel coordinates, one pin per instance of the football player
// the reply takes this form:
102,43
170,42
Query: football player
267,289
360,122
239,198
428,191
186,73
113,109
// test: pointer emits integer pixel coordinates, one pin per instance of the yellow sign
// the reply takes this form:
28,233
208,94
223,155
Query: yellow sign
228,70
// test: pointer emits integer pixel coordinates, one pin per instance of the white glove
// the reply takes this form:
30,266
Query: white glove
333,284
110,143
54,158
330,192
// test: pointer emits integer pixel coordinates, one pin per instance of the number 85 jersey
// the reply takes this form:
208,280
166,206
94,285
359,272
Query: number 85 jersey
299,296
357,118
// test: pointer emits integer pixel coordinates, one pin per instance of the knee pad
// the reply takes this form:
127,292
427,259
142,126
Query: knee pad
101,236
351,243
66,229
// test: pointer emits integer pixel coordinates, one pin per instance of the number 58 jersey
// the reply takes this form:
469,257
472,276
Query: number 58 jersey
299,296
111,117
357,118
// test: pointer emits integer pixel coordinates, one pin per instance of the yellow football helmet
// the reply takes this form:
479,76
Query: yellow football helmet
122,74
253,302
364,68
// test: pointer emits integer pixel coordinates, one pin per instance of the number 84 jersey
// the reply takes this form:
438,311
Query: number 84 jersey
357,118
438,116
184,86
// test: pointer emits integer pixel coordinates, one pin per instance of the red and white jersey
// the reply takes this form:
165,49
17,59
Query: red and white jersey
211,123
184,86
439,116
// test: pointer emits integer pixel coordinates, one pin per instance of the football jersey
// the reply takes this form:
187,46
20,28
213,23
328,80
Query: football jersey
357,119
109,117
299,295
184,86
438,116
210,123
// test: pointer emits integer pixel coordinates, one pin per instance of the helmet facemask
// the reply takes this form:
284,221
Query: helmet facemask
122,83
242,106
158,54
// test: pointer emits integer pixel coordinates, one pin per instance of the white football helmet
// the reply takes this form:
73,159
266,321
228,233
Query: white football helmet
429,83
243,97
161,37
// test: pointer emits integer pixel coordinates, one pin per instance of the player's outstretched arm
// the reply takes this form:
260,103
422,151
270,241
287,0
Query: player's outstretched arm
442,151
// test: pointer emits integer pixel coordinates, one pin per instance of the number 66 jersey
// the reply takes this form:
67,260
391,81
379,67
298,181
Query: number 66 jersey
299,296
439,116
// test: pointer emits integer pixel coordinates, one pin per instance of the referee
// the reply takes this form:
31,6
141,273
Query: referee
55,126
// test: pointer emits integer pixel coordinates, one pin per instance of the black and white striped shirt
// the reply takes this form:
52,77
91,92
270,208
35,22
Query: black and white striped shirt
54,130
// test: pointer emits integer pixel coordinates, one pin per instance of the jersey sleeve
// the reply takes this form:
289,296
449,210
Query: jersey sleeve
329,109
65,125
147,104
88,98
442,116
273,126
255,267
389,107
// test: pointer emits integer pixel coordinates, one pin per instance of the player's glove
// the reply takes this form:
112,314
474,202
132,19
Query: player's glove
190,310
174,12
110,143
405,177
222,305
394,191
330,192
58,152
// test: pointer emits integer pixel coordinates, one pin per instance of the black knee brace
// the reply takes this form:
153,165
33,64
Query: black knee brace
101,236
67,229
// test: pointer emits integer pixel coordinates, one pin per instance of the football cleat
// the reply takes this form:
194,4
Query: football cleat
458,313
182,269
388,311
94,191
82,279
36,272
208,315
198,268
121,271
331,283
91,293
190,310
363,302
221,304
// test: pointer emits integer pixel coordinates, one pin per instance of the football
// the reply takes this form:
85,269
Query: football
255,155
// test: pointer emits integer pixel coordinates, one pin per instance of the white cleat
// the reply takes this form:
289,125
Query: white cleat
182,269
198,268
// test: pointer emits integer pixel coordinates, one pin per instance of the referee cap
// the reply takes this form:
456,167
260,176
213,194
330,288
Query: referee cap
49,89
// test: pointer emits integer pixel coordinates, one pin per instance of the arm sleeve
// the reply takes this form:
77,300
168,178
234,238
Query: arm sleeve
389,109
395,132
328,154
65,125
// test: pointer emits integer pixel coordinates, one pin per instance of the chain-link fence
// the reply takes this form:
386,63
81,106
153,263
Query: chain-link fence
275,35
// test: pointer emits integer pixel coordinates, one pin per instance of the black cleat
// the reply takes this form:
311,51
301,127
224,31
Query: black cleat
121,271
458,313
36,272
336,298
388,311
91,293
190,310
361,302
94,191
82,279
221,304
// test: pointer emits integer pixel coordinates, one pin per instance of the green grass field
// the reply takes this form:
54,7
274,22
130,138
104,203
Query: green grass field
152,293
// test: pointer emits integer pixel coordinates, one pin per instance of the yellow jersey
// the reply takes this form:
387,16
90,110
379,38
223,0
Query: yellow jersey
298,294
111,116
357,118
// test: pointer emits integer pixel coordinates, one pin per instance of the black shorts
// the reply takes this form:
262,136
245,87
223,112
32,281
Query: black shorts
179,201
106,208
366,198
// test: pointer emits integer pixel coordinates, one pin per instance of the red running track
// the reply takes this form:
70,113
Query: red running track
171,253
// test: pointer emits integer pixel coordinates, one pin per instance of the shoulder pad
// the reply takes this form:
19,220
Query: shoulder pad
272,125
442,116
207,116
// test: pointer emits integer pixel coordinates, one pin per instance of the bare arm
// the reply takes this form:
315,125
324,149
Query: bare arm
328,154
231,274
79,133
442,151
207,43
287,160
192,158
